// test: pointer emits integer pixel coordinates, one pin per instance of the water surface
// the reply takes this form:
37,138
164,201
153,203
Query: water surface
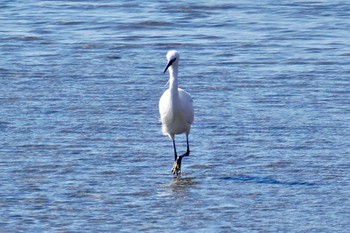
81,146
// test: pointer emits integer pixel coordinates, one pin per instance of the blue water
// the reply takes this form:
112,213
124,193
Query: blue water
80,140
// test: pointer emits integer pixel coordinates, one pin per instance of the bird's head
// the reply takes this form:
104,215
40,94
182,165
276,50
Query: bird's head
173,59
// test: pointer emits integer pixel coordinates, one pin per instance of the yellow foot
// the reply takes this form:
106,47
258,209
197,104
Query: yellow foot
176,170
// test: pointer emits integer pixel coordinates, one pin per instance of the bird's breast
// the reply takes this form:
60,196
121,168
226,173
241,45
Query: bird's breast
169,107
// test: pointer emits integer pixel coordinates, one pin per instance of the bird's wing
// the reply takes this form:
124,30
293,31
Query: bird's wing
164,107
186,105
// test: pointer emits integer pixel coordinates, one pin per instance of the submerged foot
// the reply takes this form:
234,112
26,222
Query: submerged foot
176,170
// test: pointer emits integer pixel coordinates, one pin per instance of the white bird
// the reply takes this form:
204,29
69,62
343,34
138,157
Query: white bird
176,109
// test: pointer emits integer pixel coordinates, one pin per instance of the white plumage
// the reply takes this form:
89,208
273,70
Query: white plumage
175,108
176,112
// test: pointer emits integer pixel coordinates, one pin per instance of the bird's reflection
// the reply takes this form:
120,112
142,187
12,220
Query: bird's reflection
181,185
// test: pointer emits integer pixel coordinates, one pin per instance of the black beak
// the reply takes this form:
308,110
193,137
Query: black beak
169,64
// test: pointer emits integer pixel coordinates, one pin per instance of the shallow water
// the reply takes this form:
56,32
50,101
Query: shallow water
81,146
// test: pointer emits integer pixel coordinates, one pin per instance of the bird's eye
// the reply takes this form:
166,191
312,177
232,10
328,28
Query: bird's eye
172,60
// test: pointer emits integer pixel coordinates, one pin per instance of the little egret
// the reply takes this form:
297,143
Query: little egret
176,109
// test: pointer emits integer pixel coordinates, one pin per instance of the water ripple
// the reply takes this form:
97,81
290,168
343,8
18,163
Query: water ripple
80,138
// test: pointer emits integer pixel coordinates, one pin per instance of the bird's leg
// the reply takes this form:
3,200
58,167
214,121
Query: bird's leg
175,154
176,170
177,164
188,148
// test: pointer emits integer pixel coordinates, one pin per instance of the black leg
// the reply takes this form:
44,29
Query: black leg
175,154
176,170
188,148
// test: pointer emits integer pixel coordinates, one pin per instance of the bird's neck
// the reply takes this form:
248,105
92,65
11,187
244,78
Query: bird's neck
173,80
